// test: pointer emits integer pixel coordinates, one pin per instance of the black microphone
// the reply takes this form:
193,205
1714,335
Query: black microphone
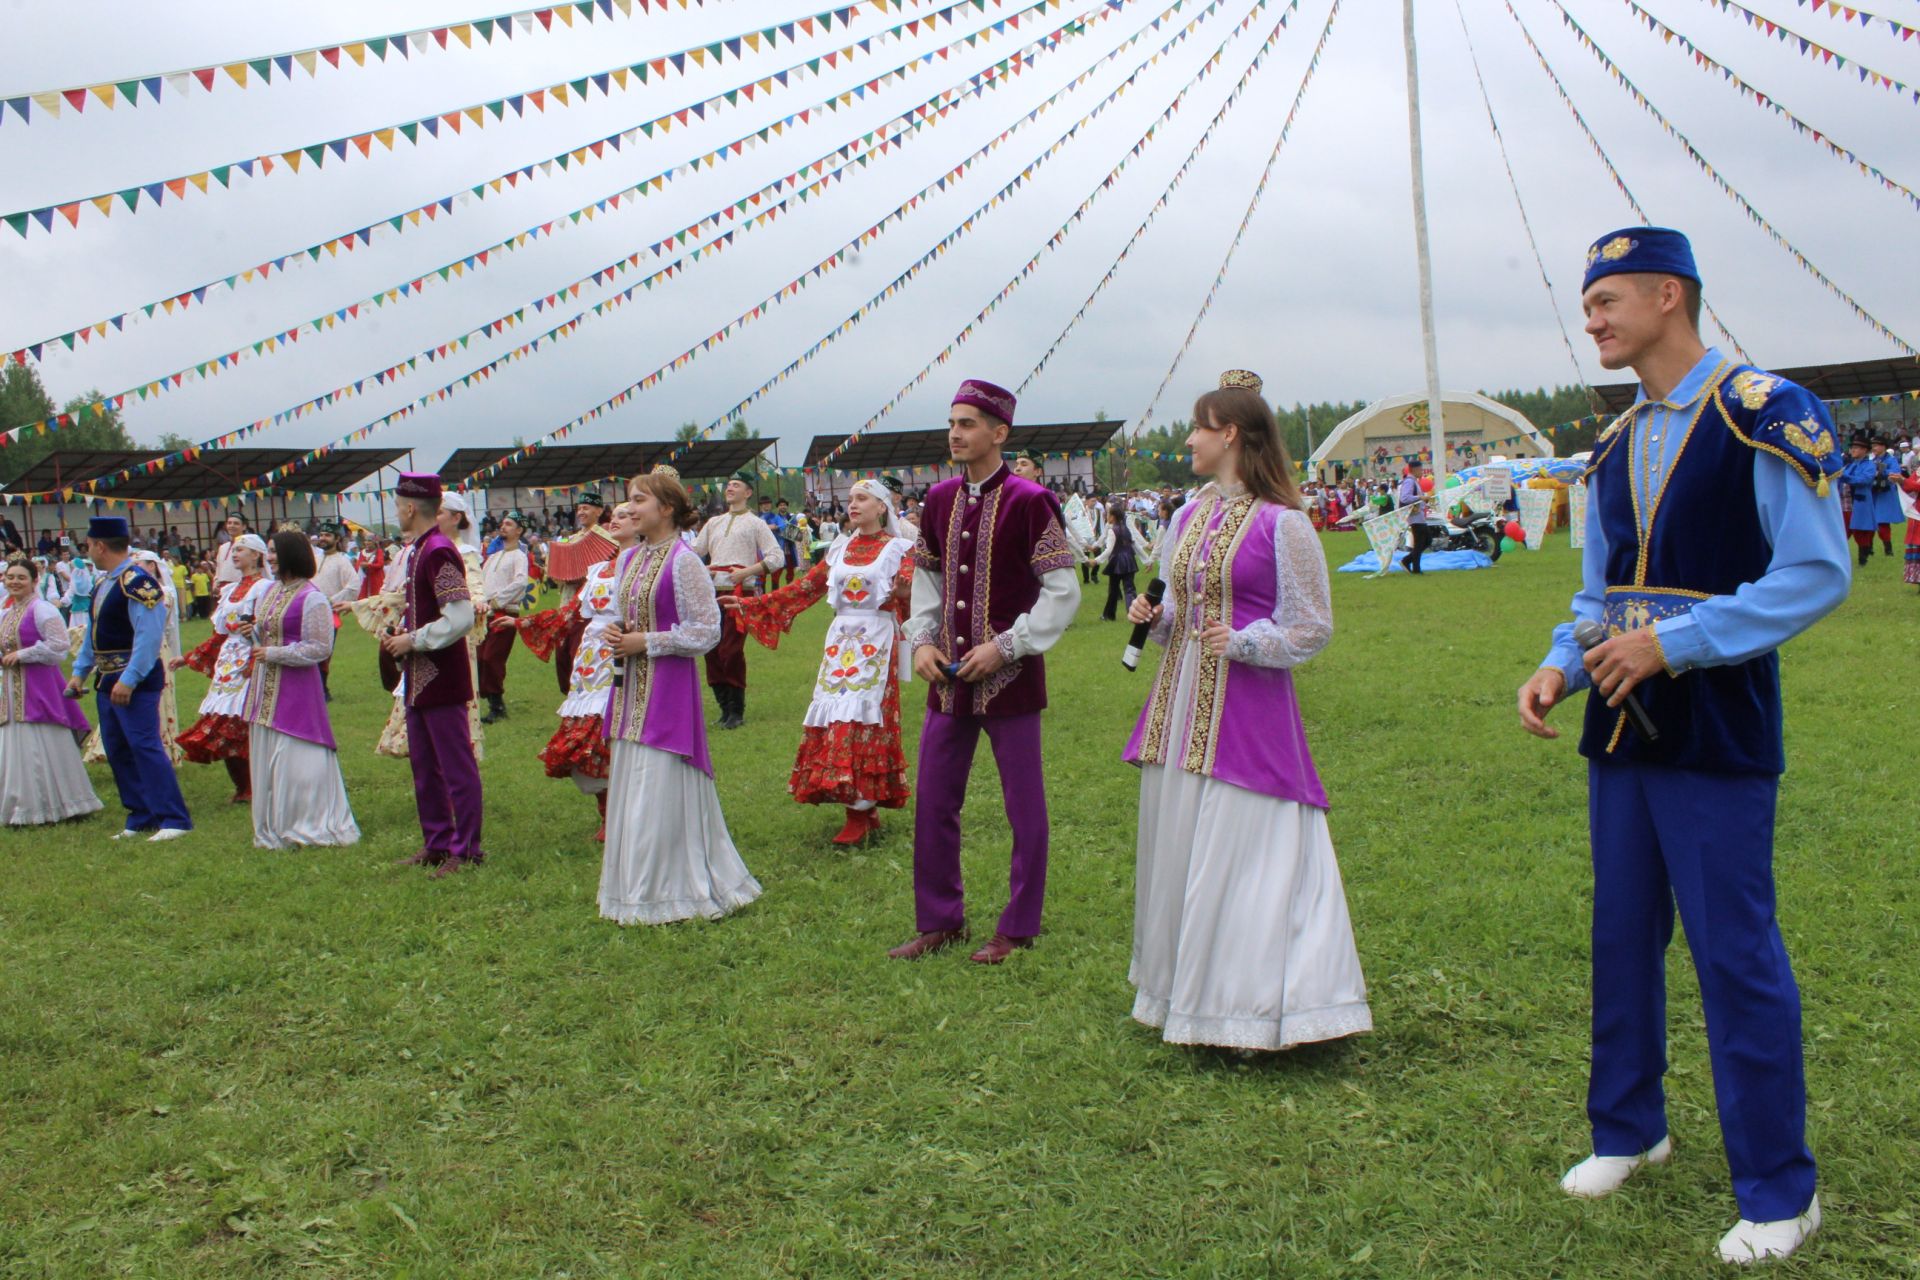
1131,658
1589,633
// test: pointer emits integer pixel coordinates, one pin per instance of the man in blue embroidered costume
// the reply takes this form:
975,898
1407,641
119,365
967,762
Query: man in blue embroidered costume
1711,540
120,648
993,590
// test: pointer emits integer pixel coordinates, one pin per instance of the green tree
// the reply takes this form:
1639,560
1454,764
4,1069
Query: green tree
687,431
174,442
23,399
739,430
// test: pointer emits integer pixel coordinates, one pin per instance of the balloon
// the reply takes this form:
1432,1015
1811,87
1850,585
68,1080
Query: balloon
1426,484
1506,545
1514,531
1454,482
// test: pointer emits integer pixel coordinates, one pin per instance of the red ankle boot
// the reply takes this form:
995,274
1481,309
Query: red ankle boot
602,799
856,829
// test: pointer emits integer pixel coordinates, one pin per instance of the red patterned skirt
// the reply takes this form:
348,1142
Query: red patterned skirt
846,762
215,737
576,747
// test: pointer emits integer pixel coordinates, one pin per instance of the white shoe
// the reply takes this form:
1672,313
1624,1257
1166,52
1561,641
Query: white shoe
165,833
1599,1176
128,834
1765,1241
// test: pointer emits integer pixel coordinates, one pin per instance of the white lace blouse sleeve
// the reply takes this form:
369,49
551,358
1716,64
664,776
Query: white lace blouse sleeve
699,627
1302,620
1162,630
51,649
315,645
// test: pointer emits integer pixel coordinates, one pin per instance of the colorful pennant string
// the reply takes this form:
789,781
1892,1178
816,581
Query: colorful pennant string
1793,40
981,82
1846,13
748,211
401,45
1614,172
1064,32
1259,189
1113,270
1818,137
1526,223
1701,162
1052,241
445,206
900,282
565,94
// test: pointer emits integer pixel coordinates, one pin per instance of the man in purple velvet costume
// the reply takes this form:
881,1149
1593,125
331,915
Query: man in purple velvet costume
431,648
993,589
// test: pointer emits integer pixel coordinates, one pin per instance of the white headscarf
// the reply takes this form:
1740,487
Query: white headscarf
452,501
251,542
874,489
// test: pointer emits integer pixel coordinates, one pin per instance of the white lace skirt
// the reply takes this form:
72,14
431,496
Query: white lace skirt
41,777
668,854
1241,936
298,795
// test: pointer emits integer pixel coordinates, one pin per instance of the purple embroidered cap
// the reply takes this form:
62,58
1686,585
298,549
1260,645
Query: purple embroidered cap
987,398
419,484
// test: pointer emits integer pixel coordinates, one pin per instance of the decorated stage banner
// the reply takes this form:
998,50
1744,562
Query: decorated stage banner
1536,508
1577,513
1383,535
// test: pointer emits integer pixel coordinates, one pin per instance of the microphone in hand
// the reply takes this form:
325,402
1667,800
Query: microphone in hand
1130,659
1589,634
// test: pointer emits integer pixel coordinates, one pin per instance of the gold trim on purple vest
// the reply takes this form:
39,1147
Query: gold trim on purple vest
1216,605
639,610
13,710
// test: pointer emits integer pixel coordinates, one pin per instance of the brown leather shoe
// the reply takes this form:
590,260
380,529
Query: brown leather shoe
927,943
424,858
998,948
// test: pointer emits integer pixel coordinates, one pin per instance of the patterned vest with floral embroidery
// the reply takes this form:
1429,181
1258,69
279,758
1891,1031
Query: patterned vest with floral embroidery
436,576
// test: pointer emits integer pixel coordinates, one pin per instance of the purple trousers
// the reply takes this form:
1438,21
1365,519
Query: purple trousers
446,780
946,758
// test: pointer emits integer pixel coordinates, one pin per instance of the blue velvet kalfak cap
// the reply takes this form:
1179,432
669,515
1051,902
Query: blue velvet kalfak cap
108,527
1659,250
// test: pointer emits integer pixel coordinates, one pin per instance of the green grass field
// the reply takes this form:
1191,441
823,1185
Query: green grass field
216,1061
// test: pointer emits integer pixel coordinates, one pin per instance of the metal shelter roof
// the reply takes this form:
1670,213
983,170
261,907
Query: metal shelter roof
1850,380
65,467
566,466
899,450
335,471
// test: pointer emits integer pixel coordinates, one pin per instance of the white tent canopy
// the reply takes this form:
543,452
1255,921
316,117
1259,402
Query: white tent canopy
1380,436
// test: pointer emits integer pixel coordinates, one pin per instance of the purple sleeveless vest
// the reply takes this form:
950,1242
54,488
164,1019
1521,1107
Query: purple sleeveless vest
34,689
291,700
656,701
1245,726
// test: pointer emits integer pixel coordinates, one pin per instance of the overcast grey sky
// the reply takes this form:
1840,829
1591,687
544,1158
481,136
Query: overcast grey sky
1320,299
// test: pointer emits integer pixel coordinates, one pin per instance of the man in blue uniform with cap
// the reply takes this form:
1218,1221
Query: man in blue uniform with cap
1711,539
120,648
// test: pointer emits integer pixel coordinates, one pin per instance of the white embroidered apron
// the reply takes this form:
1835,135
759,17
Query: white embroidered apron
851,686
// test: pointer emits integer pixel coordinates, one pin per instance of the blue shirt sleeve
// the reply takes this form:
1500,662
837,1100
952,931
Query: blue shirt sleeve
1589,603
83,657
1807,577
149,627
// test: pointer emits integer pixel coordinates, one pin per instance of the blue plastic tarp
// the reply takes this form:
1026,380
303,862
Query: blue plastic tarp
1436,561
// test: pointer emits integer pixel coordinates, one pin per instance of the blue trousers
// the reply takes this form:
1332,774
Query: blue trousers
1663,836
130,735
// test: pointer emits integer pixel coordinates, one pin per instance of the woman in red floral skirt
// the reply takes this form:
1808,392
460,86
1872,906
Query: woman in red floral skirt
850,748
227,659
578,748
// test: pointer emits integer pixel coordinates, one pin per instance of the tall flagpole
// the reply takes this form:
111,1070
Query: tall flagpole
1436,421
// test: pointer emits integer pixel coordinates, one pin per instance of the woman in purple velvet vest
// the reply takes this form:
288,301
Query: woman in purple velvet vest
668,854
1241,936
41,777
298,795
